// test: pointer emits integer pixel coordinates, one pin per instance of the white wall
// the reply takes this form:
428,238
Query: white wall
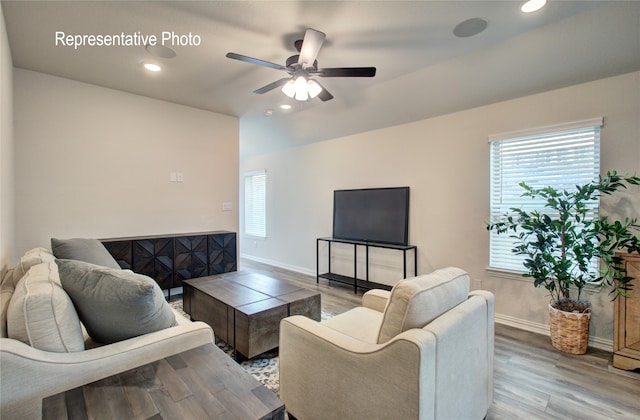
6,149
445,161
95,162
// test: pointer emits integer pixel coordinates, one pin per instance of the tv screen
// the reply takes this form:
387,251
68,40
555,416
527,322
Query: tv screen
372,215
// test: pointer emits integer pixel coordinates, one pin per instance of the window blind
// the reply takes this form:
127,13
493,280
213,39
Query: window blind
255,188
560,156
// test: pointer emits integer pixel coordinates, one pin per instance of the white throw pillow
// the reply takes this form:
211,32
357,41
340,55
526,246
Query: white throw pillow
29,259
13,276
41,314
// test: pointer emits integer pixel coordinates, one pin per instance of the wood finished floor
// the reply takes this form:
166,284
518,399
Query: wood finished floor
532,380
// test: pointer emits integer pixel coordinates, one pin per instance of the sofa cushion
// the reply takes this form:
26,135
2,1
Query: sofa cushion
29,259
83,249
13,276
416,301
6,291
41,314
114,304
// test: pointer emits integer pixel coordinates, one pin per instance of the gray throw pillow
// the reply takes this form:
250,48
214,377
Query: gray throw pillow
81,249
113,304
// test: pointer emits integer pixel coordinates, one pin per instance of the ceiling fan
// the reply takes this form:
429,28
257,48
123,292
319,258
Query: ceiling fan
301,67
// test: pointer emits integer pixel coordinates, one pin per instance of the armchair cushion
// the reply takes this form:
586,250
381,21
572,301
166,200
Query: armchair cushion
41,314
360,323
108,300
416,301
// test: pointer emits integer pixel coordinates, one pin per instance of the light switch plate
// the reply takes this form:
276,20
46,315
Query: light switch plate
227,206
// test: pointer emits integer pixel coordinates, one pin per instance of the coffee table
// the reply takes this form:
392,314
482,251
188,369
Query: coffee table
200,383
245,309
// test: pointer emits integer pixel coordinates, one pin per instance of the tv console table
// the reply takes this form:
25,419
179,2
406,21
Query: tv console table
355,281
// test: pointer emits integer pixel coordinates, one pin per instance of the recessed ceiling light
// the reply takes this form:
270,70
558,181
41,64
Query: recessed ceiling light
470,27
285,106
268,112
532,5
152,67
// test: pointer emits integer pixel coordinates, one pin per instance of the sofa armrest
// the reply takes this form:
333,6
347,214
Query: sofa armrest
376,299
327,374
29,374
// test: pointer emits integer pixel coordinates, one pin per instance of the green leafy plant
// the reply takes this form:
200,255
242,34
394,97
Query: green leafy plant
560,244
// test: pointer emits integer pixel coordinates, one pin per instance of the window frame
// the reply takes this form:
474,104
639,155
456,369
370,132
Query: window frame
501,259
255,180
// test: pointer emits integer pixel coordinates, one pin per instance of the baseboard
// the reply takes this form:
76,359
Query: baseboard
279,264
523,324
595,342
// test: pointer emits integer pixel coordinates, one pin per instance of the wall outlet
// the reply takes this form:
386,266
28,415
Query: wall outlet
477,284
179,177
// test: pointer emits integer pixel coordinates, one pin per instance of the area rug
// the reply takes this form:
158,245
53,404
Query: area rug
264,367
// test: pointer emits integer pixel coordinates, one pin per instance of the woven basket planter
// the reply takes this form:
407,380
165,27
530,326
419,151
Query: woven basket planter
569,330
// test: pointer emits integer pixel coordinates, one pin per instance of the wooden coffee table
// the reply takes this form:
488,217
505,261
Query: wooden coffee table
200,383
245,309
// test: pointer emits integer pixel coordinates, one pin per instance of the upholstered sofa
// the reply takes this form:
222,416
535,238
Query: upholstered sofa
46,346
424,350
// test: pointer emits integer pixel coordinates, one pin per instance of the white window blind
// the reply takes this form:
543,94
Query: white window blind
561,156
255,189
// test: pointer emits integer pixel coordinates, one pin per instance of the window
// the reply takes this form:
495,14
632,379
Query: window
561,156
255,186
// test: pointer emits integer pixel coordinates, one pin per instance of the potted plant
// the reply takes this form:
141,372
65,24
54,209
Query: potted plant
560,243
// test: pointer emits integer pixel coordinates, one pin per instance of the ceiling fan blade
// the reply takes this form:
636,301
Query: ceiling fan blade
310,47
272,86
347,72
255,61
324,94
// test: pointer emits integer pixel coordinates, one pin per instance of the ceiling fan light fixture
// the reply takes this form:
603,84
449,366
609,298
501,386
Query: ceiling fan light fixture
301,66
289,88
313,88
301,89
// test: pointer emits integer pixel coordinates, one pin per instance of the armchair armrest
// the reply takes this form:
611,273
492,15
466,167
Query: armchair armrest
29,374
376,299
322,371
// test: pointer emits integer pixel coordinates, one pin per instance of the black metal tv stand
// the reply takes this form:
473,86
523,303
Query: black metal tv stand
355,281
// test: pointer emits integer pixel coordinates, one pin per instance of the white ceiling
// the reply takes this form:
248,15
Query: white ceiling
423,70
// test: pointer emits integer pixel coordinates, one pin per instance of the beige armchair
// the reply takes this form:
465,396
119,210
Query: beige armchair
422,351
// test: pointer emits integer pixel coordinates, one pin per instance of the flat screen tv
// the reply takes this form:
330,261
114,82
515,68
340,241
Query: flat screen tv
372,215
